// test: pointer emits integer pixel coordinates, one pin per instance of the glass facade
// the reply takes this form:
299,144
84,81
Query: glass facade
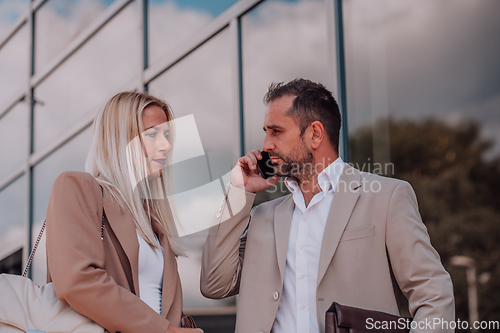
83,83
171,22
10,11
423,97
59,22
12,209
14,66
13,139
423,90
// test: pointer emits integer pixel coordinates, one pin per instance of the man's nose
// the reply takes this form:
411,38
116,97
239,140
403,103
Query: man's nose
268,144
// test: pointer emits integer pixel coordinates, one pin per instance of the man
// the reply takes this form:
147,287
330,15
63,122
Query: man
342,235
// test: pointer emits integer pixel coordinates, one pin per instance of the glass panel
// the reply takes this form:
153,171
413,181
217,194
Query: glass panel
281,40
14,66
12,209
423,97
10,10
202,85
13,139
71,156
58,22
89,78
172,21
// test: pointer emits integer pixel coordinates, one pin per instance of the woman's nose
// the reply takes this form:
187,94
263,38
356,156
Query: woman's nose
164,145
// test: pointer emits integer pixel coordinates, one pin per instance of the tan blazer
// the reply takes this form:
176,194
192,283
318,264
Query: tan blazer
373,224
90,273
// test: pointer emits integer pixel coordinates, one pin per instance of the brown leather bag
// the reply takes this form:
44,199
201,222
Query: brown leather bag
188,322
347,319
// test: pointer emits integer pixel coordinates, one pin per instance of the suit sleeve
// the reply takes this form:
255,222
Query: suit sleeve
75,260
223,254
416,264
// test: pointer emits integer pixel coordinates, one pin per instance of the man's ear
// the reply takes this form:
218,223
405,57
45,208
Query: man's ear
317,134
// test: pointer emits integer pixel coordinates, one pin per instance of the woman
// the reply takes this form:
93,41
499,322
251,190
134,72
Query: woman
111,247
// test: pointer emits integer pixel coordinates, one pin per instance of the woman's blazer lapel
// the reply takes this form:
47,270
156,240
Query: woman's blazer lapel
123,227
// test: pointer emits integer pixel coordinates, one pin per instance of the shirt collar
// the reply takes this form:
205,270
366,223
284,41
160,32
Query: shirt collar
328,179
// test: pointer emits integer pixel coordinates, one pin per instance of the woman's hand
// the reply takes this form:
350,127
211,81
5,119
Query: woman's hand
175,329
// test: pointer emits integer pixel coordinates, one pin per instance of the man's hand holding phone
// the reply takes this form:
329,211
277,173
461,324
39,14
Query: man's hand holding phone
245,173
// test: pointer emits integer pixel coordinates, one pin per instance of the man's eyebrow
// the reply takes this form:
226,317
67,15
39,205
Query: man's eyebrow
271,127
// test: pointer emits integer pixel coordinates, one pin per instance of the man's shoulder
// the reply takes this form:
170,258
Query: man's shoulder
271,204
374,180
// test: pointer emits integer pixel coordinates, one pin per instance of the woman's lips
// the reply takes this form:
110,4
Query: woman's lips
161,161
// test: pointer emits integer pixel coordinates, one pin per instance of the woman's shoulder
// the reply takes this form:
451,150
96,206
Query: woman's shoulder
76,180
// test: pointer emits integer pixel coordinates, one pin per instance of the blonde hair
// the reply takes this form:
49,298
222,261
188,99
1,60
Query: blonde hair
117,160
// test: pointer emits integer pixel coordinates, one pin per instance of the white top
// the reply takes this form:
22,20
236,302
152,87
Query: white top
297,309
151,264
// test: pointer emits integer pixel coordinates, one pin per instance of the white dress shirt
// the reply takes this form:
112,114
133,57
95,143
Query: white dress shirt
297,309
151,263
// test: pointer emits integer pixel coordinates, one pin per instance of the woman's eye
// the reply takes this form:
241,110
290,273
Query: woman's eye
151,134
167,135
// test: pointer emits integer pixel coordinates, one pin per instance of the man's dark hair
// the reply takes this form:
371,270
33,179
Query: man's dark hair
312,102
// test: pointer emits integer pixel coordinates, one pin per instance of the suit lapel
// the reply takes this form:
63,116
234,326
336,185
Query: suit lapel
124,228
345,198
169,265
282,222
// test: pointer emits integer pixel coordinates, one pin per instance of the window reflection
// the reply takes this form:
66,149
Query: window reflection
10,10
281,40
202,85
423,90
12,208
13,139
172,21
58,22
102,67
14,66
69,157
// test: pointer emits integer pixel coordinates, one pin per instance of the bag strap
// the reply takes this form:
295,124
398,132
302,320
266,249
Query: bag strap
32,254
40,234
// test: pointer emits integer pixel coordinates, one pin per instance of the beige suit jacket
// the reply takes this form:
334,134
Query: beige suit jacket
374,246
90,273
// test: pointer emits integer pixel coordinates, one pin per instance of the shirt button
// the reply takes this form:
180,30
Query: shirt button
276,296
302,247
304,219
301,277
302,307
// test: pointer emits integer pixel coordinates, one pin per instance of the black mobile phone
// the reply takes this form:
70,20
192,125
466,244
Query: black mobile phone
266,169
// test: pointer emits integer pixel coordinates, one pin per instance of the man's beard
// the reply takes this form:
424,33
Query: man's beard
298,164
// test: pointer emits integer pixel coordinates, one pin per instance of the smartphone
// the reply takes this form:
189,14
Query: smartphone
266,169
